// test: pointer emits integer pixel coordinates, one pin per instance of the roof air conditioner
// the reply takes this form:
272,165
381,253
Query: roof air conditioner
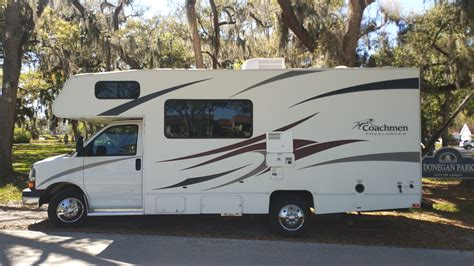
264,63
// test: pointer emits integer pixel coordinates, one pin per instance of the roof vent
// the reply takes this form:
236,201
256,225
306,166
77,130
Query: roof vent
264,63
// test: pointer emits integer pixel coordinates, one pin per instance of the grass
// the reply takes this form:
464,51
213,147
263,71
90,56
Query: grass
448,202
24,155
446,207
10,192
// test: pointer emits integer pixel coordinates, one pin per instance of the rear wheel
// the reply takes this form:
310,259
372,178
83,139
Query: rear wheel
67,208
468,147
289,215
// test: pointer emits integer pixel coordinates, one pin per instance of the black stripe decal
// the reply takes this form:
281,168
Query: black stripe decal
129,105
408,83
285,75
411,157
195,180
80,168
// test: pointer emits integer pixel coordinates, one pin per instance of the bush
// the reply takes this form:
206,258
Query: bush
20,135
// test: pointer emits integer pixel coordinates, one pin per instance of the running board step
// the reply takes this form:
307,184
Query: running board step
115,213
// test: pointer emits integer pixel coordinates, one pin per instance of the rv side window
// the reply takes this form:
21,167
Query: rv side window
208,119
115,141
117,90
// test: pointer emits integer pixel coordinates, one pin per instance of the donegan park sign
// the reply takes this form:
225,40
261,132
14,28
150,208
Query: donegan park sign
448,163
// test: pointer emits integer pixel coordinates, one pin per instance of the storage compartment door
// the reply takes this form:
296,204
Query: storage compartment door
231,205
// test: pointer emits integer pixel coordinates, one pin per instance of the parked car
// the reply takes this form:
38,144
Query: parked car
467,144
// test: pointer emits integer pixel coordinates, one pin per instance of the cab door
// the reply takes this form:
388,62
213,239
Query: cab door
113,169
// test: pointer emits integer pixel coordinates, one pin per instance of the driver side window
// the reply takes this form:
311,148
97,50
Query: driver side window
115,141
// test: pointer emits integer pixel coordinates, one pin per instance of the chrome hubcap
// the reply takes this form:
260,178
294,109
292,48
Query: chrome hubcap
70,210
291,217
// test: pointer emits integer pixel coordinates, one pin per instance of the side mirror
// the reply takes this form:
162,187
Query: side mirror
80,146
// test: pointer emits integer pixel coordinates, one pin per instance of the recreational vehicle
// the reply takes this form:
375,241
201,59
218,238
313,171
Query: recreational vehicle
288,143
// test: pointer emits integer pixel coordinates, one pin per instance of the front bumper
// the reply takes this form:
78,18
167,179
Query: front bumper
31,197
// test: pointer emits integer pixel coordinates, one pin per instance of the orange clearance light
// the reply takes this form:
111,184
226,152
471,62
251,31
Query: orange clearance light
415,205
31,184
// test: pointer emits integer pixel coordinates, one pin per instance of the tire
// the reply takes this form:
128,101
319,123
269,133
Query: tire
468,147
67,208
296,211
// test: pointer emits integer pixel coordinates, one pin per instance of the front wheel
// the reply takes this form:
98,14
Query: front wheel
289,216
468,147
67,209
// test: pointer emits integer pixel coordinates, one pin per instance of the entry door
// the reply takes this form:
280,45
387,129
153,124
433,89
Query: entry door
113,168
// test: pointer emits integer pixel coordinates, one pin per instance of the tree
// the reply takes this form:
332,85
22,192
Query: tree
289,18
20,20
440,43
196,39
324,28
352,33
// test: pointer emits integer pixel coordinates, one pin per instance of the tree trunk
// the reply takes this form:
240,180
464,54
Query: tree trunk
75,131
352,34
291,21
196,39
445,113
216,42
107,55
11,75
19,23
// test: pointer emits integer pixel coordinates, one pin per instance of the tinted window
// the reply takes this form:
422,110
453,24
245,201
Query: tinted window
115,141
208,119
117,90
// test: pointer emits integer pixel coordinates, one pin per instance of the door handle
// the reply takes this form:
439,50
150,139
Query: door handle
138,164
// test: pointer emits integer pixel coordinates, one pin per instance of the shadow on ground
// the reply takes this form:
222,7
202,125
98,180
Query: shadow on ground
341,229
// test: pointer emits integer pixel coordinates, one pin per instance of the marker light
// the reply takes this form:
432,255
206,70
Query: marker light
31,184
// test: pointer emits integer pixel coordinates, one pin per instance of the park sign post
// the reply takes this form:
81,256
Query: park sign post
448,163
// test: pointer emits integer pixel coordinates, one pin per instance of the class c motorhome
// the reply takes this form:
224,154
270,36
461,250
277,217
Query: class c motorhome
269,141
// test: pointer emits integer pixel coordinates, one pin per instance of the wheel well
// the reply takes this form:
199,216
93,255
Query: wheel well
304,194
53,189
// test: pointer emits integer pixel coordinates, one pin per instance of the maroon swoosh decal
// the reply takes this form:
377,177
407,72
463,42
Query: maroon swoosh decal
256,170
299,154
254,147
218,150
318,147
196,180
240,144
297,143
310,150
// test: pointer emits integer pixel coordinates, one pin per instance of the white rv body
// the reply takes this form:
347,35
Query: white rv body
348,138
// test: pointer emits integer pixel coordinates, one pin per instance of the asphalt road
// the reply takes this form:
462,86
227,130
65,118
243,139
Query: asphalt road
30,247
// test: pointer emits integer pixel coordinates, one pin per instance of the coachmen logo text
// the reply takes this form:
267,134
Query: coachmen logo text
370,127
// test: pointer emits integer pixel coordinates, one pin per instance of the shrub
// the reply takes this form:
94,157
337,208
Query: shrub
20,135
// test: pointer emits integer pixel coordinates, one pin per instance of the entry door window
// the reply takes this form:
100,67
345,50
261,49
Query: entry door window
115,141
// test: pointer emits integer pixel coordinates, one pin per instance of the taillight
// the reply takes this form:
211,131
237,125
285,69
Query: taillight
415,205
